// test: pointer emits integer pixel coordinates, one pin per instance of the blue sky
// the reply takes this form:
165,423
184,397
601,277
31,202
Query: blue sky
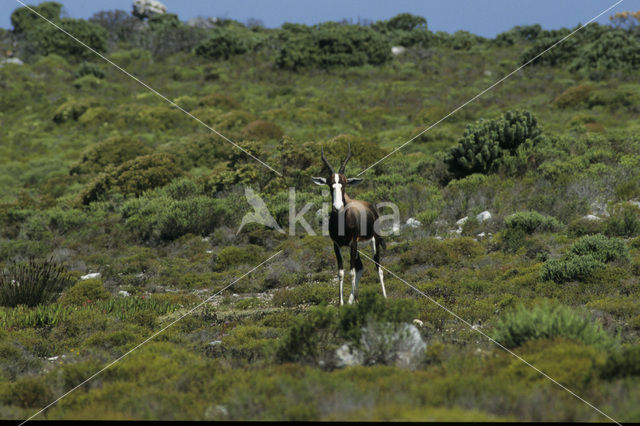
482,17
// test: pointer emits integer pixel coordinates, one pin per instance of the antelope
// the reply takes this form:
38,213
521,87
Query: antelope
350,221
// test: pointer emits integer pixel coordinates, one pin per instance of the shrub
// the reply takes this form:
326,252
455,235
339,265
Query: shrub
548,322
331,44
573,96
602,249
570,268
165,218
613,50
32,283
72,110
585,226
146,172
485,143
223,44
24,20
405,22
532,222
47,39
30,391
112,151
219,100
623,362
262,130
624,221
312,338
83,291
119,24
232,255
88,68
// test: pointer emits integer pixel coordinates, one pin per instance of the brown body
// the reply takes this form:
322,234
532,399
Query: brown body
351,221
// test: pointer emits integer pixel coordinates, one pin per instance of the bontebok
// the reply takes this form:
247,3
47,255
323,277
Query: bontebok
350,221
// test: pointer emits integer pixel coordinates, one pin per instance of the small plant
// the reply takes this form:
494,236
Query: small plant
623,222
486,143
547,322
602,248
625,362
532,222
570,268
32,283
83,291
88,68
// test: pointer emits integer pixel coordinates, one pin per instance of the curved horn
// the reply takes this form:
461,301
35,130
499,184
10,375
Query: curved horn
344,163
326,162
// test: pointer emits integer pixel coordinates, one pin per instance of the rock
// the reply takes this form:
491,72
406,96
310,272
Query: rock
396,228
481,235
53,358
591,217
398,50
215,343
209,251
90,276
201,22
385,343
462,221
348,356
147,8
413,223
124,293
485,215
14,61
634,203
418,323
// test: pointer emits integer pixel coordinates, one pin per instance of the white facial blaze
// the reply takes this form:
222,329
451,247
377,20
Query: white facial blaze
337,192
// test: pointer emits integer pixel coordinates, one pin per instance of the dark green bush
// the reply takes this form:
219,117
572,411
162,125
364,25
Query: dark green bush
532,222
84,291
622,363
160,22
120,25
232,255
585,226
223,44
32,283
548,322
145,172
167,219
570,268
485,143
72,110
311,337
262,130
613,50
24,20
48,40
601,248
88,68
624,221
331,44
113,151
219,100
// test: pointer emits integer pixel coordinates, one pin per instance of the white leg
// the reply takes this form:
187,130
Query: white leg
353,286
373,244
341,277
384,292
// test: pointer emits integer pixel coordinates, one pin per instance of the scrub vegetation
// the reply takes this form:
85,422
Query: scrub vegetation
100,176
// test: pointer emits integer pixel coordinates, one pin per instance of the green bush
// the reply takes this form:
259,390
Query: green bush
72,110
573,96
624,221
166,219
32,283
145,172
331,44
223,44
84,291
532,222
229,256
485,143
570,268
48,39
24,20
623,362
602,249
548,322
112,151
311,338
219,100
262,130
88,68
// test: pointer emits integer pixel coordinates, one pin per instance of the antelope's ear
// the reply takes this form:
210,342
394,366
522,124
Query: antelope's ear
354,181
319,180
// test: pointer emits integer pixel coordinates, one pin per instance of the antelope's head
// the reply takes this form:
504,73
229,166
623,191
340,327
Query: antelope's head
337,181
